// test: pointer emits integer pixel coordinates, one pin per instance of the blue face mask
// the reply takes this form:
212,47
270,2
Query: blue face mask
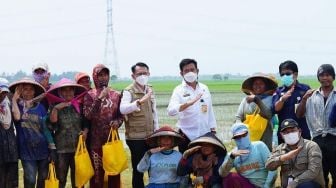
287,80
243,143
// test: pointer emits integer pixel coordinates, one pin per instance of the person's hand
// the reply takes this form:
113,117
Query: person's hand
104,93
308,94
240,152
290,155
191,102
17,93
250,98
84,133
157,149
288,93
52,155
147,96
61,105
190,151
114,124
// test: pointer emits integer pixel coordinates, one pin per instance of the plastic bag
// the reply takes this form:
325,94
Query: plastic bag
114,154
83,167
256,125
51,181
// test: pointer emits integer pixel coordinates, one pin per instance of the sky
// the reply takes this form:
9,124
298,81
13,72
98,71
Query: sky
223,36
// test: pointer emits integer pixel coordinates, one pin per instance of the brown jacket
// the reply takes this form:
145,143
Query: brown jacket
306,166
139,124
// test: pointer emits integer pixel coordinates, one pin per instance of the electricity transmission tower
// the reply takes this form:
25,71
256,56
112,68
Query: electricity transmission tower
110,57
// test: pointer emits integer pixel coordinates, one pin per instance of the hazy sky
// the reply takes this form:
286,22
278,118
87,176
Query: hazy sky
236,36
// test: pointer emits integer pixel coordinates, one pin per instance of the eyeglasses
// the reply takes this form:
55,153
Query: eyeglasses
286,73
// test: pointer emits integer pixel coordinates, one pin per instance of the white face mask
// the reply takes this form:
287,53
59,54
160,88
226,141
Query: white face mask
190,77
291,138
142,80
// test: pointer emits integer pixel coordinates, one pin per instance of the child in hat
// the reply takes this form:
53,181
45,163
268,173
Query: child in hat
202,160
161,161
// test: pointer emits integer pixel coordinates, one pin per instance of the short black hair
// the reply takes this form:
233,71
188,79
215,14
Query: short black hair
185,62
290,65
140,64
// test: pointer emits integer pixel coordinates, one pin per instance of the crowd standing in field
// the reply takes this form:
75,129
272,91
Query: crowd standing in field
41,123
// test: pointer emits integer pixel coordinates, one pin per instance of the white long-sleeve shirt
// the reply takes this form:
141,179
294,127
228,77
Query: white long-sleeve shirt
198,119
127,106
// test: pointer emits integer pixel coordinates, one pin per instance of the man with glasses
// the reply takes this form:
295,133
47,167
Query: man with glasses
300,159
249,159
139,107
287,97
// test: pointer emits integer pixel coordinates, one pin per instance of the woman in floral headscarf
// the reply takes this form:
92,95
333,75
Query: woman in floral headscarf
101,107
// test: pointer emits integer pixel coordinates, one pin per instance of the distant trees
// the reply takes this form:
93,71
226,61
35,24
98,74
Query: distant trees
217,77
220,77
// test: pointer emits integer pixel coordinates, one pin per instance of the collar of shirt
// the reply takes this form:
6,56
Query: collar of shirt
184,84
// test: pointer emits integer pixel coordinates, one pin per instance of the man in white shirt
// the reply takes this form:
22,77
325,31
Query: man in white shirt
139,107
191,102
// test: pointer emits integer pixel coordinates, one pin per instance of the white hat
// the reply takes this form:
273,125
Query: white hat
43,66
4,85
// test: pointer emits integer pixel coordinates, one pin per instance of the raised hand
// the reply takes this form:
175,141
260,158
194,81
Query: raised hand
104,93
190,151
240,152
157,149
291,155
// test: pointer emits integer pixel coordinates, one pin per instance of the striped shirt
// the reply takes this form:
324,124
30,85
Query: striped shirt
318,111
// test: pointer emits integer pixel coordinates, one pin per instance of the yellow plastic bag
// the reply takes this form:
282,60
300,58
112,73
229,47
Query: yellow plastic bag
114,155
256,125
83,167
51,181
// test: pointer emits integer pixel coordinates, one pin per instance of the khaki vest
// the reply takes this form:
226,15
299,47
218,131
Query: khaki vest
139,124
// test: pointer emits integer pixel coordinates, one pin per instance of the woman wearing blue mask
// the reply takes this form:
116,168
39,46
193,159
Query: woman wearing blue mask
288,96
249,159
259,89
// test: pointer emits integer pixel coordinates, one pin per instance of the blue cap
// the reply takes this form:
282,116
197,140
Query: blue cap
238,129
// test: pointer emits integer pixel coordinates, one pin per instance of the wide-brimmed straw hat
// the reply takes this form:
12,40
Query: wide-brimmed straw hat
163,131
39,89
64,82
209,138
270,83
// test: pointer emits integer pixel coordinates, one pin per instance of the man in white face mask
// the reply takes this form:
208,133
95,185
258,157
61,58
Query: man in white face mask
300,159
139,107
191,102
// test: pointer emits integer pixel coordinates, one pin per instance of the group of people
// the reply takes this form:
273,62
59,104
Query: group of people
41,122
